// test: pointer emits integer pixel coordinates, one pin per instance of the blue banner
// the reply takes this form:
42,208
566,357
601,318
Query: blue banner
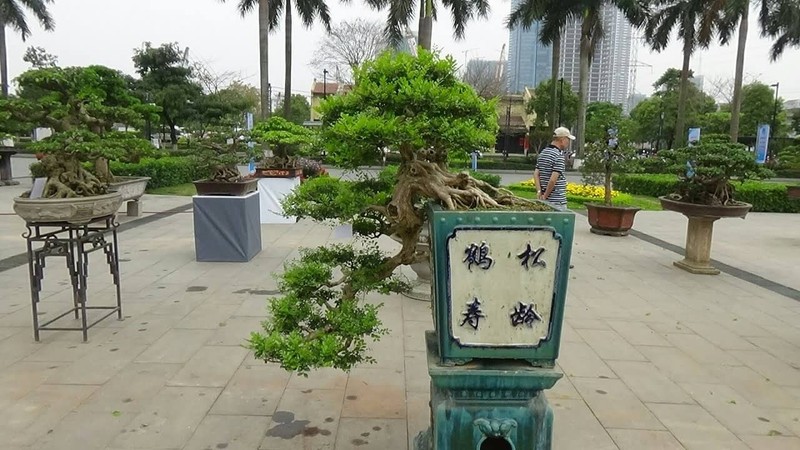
694,136
762,143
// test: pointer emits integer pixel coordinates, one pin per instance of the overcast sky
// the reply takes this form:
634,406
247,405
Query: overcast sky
106,32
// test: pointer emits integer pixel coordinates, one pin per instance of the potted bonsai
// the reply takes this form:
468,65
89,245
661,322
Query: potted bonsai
221,161
603,159
83,106
286,141
705,192
417,107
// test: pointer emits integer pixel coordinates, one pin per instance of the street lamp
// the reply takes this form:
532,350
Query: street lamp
324,83
775,109
560,101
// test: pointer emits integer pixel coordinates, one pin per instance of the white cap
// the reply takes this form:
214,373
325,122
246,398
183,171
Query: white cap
563,132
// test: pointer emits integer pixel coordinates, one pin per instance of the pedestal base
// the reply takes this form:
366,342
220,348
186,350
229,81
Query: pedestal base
692,267
226,229
487,405
420,290
271,193
699,235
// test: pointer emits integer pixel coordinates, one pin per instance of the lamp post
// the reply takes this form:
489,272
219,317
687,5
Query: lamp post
660,130
560,101
324,83
508,130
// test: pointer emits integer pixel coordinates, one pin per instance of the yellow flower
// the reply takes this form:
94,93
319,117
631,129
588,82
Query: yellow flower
579,190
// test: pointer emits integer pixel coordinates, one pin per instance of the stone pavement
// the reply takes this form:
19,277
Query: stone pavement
655,358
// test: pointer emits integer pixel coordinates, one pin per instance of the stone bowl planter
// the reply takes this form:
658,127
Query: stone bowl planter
610,220
130,188
236,189
77,210
793,192
700,230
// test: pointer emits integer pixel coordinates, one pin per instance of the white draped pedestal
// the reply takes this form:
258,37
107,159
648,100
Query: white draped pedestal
270,192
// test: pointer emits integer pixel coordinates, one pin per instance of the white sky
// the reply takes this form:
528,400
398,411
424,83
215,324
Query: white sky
106,32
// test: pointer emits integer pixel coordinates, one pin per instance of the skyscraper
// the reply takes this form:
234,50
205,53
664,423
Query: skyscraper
610,69
529,61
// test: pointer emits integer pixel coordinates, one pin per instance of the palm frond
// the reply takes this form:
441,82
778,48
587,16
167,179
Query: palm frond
39,10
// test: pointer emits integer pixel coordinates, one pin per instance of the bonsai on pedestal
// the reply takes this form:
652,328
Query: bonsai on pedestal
705,193
221,161
286,141
604,159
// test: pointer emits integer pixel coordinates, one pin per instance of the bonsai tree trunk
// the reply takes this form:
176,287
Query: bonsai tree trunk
102,171
680,122
607,184
263,56
287,98
736,102
554,88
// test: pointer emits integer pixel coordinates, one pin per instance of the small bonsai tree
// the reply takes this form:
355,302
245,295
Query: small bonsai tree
82,105
285,139
706,171
418,107
221,152
603,158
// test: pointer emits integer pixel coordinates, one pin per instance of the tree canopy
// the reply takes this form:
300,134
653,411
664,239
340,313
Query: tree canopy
300,110
542,101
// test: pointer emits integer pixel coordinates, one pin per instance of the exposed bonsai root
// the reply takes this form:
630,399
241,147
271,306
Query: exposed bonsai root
225,174
66,178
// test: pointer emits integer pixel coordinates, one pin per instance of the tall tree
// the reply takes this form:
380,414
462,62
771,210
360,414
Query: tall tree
759,106
780,20
263,10
402,11
482,76
697,23
553,15
348,45
565,101
12,14
301,109
167,78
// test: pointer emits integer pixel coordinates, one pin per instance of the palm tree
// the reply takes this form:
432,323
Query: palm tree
635,11
553,17
780,20
13,15
401,12
697,22
245,7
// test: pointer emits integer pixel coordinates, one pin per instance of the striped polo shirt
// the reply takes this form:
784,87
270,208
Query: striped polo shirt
550,160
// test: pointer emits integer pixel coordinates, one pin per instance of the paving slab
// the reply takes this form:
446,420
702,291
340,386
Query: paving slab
654,357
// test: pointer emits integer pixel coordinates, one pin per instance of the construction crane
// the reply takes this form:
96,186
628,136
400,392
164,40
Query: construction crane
501,64
411,41
634,66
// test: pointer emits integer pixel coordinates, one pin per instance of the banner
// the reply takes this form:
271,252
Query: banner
694,136
762,143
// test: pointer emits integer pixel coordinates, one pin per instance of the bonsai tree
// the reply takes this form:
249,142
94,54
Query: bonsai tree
418,107
285,139
82,105
706,172
603,158
220,154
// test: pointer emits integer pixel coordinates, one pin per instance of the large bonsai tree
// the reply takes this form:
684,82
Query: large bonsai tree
417,107
81,105
286,140
706,171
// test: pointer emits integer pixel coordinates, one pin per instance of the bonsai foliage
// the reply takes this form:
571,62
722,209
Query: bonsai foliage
221,153
603,158
82,106
706,171
418,107
285,139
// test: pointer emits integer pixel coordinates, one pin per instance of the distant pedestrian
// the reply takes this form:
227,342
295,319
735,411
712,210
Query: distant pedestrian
551,185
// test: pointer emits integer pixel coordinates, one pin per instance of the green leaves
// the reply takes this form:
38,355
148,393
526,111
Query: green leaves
317,324
405,102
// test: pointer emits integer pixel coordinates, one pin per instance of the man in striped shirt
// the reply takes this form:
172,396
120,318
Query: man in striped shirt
551,186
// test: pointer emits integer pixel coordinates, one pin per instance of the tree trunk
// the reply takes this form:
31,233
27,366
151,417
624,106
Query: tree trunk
3,60
583,85
287,91
554,88
607,184
680,121
263,50
425,33
173,135
736,102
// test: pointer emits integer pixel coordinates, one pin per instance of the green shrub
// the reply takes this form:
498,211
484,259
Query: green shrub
652,185
488,178
765,197
788,173
37,171
167,171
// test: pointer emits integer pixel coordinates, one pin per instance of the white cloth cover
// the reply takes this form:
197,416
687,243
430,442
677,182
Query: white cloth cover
270,192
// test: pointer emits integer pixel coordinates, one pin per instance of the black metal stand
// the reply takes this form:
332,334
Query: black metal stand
74,243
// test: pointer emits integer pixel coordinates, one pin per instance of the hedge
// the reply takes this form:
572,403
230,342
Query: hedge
765,197
166,171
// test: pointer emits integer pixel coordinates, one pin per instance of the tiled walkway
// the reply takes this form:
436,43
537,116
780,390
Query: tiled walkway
654,358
